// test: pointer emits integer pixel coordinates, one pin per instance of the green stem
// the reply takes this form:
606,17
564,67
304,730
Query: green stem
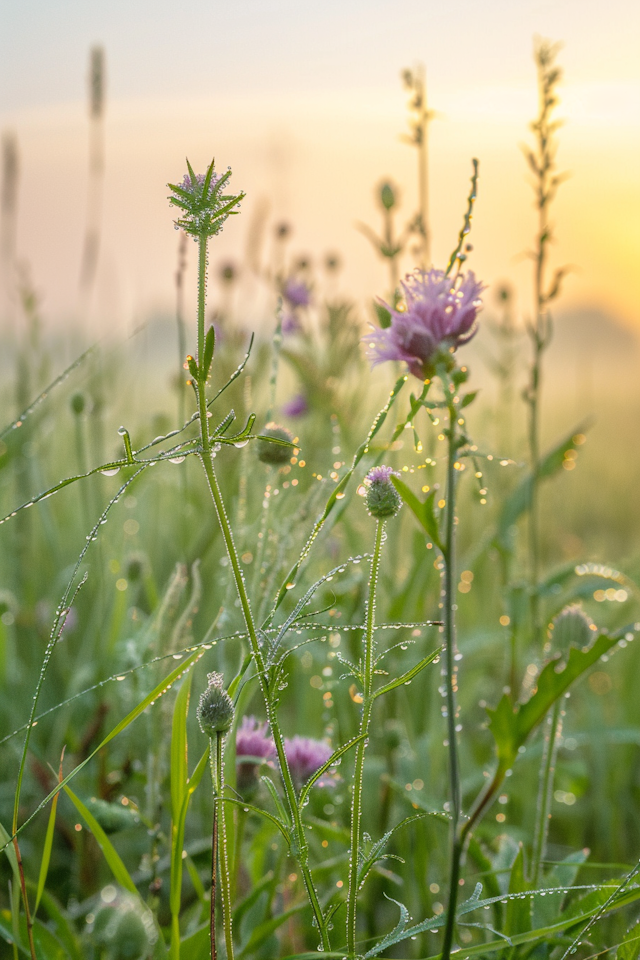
220,818
365,720
547,770
450,646
301,851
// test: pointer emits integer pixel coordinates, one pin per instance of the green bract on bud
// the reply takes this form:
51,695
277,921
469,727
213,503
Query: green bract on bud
203,202
275,453
215,710
381,497
571,628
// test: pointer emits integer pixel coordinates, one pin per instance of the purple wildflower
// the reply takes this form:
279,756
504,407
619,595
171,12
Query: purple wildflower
253,746
381,498
305,756
381,474
188,184
296,293
290,323
297,406
440,314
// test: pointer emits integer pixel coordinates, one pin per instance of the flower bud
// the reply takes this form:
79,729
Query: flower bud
381,498
387,196
215,709
78,402
275,453
571,628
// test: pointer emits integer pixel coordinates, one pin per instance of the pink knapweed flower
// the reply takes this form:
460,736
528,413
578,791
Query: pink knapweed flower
305,756
297,406
296,293
440,315
253,746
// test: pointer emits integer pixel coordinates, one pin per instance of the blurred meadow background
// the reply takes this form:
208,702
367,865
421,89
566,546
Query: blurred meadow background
313,106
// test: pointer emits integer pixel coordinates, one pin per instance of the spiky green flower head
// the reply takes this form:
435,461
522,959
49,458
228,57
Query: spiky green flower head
215,709
571,628
381,498
204,204
275,454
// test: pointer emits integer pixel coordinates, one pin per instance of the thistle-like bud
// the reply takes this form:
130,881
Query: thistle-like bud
571,628
202,201
215,709
387,196
381,498
275,453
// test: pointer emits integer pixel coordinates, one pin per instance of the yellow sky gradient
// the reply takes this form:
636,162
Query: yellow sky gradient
315,159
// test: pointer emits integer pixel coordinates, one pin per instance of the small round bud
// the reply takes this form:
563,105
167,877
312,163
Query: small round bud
387,196
571,628
275,453
382,499
136,567
131,940
78,402
228,272
215,709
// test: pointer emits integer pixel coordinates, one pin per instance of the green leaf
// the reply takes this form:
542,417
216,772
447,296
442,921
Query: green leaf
629,949
209,345
409,675
177,841
282,827
468,398
512,723
111,855
422,510
383,315
179,748
271,787
396,934
48,844
518,914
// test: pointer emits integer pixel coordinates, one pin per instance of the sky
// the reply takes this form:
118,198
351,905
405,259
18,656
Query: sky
305,102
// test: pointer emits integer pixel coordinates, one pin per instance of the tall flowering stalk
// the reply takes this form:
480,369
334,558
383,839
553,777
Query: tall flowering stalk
204,209
546,180
439,315
382,502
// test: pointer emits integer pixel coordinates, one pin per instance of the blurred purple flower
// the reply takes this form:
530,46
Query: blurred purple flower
290,323
296,293
296,407
440,314
253,745
305,756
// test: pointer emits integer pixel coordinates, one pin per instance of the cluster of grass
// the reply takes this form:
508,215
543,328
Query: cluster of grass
108,838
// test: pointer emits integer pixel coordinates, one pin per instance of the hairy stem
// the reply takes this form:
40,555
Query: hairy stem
220,848
451,686
365,720
545,790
